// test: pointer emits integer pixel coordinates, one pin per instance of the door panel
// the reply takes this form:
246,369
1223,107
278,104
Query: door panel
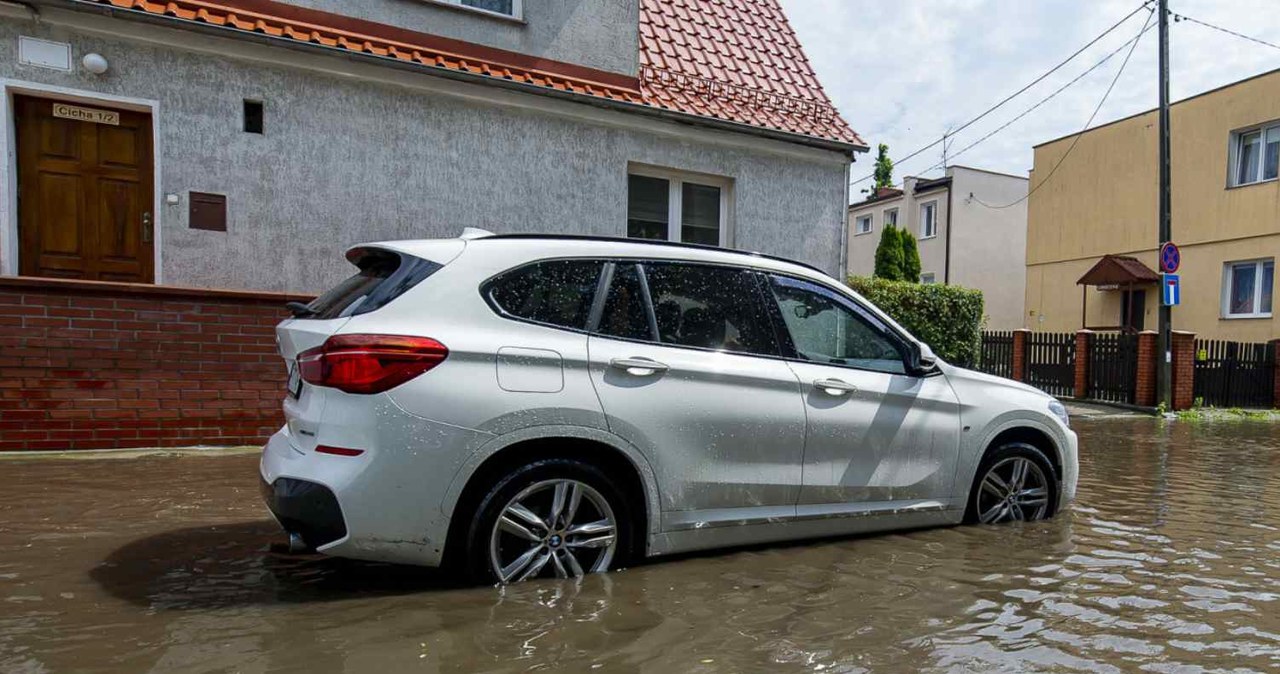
85,195
724,430
894,437
874,432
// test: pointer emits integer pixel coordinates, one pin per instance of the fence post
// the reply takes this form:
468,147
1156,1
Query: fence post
1081,388
1145,386
1275,372
1018,368
1184,369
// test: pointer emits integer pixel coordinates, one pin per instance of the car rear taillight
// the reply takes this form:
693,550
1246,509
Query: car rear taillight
369,363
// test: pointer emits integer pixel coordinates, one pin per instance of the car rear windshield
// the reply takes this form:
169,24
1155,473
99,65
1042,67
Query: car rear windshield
384,275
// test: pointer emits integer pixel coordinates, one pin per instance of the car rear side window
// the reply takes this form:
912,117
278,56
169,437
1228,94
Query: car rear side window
384,275
557,292
709,307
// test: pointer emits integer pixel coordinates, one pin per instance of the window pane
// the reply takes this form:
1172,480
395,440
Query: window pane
709,307
864,224
891,217
701,217
1243,277
1271,158
1248,171
1268,283
827,328
648,204
927,220
500,6
559,293
624,311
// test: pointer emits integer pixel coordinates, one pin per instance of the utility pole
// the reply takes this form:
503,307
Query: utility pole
1164,372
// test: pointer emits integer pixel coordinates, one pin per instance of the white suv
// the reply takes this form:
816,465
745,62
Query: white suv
527,406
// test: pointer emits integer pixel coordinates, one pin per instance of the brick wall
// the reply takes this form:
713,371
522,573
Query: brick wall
1184,369
1148,363
87,365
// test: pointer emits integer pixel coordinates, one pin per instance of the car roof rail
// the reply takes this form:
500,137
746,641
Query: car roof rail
653,242
469,233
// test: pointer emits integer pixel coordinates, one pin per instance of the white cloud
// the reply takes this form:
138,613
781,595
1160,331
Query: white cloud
902,73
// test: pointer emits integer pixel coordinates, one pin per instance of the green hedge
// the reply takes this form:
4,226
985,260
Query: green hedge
947,318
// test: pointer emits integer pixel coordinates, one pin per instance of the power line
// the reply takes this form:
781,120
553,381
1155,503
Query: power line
1184,17
1017,93
1044,100
1087,124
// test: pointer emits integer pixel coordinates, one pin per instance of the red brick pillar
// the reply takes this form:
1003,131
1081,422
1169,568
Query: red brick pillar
1275,367
1019,367
1083,337
1184,369
1145,393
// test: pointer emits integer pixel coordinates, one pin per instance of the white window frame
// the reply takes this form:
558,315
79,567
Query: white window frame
887,220
857,224
1235,154
931,207
1228,273
675,199
928,277
517,8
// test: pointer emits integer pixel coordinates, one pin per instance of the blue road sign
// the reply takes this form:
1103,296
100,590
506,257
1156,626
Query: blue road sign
1172,290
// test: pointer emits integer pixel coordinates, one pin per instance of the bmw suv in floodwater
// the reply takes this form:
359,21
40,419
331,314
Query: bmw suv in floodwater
548,406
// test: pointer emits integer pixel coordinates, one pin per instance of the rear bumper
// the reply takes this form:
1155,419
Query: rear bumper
305,508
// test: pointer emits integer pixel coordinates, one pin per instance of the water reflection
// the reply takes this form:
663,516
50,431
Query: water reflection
1168,563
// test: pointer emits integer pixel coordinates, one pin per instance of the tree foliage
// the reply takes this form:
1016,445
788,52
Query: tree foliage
947,318
910,257
884,167
889,255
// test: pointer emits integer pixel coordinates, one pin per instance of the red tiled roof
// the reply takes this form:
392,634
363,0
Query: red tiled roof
737,60
1118,270
733,60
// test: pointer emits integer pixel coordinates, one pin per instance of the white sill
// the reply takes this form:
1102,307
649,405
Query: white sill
477,10
1256,182
1244,317
926,238
870,231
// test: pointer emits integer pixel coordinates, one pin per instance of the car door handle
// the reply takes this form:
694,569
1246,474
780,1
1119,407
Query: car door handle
639,366
835,387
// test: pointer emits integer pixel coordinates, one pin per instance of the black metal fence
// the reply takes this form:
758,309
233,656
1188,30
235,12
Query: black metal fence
1051,362
996,355
1235,374
1113,368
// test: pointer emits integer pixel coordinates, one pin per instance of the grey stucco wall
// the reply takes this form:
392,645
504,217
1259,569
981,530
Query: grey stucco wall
345,161
602,34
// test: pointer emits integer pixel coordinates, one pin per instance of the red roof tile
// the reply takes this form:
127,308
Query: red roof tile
732,60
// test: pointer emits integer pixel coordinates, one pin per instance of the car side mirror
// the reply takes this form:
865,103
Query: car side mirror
922,356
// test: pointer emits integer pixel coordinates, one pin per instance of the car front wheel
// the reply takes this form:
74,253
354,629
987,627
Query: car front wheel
1015,483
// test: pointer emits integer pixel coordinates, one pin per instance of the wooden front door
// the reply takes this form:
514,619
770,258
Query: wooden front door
84,192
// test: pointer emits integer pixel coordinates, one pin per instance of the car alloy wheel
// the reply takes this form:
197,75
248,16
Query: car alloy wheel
561,527
1013,489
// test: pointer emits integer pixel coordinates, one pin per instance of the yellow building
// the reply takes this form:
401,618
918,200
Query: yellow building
1102,201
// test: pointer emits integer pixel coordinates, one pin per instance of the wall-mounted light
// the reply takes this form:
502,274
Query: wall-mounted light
95,63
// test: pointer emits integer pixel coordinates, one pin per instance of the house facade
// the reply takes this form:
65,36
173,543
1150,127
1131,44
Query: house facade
962,239
1102,201
244,144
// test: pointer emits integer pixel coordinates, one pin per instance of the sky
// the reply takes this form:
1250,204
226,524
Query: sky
904,72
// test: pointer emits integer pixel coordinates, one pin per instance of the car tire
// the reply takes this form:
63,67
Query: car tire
527,496
993,499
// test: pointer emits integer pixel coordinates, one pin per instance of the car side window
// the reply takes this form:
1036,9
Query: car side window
826,327
625,314
709,307
556,292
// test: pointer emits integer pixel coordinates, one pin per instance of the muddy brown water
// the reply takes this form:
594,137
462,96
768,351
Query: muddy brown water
1167,563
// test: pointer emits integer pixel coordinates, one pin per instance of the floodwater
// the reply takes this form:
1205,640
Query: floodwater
1169,562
